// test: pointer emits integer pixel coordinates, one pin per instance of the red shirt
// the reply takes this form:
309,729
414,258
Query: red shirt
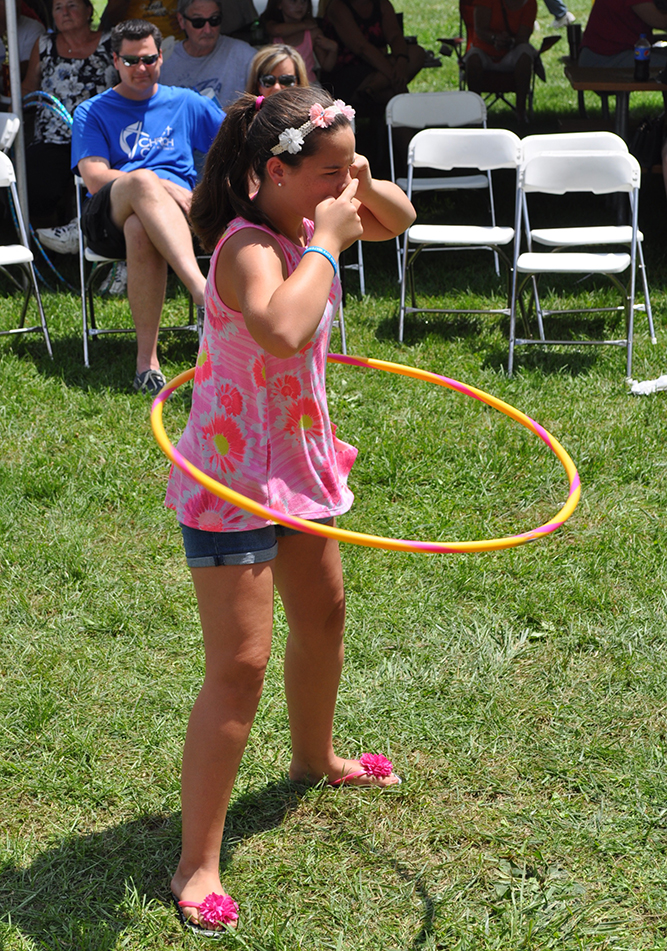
613,27
525,16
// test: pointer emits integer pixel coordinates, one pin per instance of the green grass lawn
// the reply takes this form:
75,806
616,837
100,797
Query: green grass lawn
522,694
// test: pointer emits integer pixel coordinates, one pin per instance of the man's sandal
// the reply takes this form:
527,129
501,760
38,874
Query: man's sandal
215,910
374,766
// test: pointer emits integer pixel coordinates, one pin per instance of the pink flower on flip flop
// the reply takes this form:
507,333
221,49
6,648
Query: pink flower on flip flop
218,910
375,764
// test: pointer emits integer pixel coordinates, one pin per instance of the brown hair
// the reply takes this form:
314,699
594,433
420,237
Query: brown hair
241,150
266,60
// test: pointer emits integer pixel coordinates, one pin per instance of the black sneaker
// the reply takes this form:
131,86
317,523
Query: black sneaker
150,381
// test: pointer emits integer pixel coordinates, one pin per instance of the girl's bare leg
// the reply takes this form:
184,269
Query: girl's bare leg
309,579
236,610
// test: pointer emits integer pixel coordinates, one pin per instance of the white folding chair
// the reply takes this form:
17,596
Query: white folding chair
436,110
482,150
20,255
600,235
90,330
561,173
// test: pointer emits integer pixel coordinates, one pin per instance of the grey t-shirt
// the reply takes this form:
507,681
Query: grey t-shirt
221,75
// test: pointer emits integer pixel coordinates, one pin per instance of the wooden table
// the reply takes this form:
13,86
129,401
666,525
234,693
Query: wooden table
617,82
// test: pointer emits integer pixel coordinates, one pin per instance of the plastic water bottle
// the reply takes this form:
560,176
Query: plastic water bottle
642,59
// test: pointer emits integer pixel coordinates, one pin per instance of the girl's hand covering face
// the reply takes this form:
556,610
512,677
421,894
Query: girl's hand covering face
360,171
337,218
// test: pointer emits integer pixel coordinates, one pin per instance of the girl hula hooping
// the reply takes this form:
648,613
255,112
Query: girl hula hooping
259,423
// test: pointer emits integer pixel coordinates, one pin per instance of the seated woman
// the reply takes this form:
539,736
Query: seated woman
72,64
366,74
292,21
275,68
613,28
499,42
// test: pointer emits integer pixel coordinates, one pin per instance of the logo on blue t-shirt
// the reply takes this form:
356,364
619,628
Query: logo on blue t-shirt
135,142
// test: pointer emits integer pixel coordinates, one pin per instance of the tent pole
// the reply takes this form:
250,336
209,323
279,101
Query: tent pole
17,104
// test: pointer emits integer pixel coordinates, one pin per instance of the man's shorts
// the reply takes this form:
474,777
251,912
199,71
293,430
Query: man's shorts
251,547
509,60
102,235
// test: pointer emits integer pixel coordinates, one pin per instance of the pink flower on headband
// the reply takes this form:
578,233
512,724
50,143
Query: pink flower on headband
321,117
258,102
346,110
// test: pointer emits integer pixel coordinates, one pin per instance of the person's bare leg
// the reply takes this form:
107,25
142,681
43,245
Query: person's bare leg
236,611
146,284
474,73
141,193
309,580
416,59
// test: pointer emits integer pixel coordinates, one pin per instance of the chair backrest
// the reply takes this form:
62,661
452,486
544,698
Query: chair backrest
599,173
7,174
421,110
571,142
483,149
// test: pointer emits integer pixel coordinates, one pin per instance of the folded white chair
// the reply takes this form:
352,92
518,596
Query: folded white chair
568,172
20,255
600,235
483,150
437,110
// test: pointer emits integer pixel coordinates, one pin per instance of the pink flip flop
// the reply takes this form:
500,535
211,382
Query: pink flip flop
219,910
372,765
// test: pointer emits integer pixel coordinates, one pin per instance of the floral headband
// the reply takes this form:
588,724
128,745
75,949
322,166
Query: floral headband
291,140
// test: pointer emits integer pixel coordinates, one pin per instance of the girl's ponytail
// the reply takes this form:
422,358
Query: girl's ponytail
222,193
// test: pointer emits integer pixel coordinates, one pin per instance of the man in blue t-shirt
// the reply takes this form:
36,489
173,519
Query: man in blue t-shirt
133,146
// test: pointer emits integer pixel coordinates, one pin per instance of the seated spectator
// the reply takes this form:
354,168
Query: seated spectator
366,74
215,66
133,146
501,30
613,28
73,64
29,29
275,68
164,15
291,21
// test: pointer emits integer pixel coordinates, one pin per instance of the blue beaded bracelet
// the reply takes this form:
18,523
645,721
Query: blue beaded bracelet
330,258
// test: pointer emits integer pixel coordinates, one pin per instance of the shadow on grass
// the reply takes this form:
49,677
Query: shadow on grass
75,895
112,358
80,893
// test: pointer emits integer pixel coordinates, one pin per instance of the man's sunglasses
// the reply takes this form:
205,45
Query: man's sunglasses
200,22
289,79
149,60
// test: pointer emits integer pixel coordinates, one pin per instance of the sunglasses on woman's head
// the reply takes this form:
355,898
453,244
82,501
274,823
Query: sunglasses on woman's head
289,79
149,60
200,22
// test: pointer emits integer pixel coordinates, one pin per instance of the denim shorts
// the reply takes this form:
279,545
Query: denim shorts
211,549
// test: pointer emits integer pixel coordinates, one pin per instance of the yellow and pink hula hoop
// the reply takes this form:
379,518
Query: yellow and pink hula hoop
378,541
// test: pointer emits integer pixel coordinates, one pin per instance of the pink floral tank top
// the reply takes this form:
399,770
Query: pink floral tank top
260,424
